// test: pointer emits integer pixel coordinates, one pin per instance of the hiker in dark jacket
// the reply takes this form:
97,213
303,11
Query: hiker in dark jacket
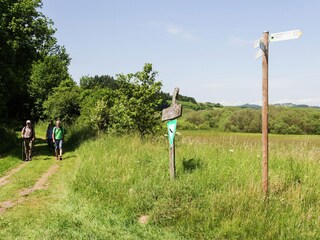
49,136
28,135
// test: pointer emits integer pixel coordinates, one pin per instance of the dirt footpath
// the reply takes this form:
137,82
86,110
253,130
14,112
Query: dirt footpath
42,183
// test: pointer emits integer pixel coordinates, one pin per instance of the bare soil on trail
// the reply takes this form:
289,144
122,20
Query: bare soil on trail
42,183
4,180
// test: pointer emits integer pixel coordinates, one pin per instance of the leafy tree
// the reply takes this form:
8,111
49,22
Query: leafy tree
128,104
243,120
140,98
209,105
47,74
212,117
104,81
95,108
25,33
195,118
64,102
187,99
121,116
165,96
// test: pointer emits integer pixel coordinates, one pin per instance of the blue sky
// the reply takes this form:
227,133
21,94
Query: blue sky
204,47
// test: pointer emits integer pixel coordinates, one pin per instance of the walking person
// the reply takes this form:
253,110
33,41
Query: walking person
49,136
28,135
58,138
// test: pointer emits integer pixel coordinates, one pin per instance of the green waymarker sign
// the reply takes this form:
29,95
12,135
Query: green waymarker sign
172,126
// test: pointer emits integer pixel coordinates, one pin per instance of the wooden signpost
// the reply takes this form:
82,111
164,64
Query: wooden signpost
171,114
263,43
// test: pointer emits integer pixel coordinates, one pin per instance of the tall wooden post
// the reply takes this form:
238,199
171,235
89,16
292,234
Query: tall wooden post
265,105
264,52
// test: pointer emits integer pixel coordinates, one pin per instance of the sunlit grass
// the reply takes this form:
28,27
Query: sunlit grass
103,187
217,193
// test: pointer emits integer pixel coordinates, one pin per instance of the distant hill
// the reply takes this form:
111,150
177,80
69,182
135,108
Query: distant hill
292,105
289,105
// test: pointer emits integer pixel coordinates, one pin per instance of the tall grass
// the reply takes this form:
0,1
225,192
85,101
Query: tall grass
103,187
217,193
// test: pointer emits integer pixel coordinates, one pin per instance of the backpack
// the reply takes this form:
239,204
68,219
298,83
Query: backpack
24,131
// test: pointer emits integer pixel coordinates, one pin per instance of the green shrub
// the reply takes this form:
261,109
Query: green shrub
95,108
185,125
195,117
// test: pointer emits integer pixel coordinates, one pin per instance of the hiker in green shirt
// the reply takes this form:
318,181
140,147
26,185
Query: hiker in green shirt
58,138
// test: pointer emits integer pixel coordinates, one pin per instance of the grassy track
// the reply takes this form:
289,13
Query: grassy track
104,186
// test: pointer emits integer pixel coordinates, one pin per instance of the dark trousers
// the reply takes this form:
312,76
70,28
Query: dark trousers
50,144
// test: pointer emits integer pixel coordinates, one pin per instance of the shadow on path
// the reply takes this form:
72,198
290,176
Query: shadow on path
40,149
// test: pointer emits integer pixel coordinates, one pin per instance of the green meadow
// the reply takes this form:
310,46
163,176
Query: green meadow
106,184
111,90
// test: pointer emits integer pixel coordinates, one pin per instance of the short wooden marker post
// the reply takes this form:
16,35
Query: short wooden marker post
171,114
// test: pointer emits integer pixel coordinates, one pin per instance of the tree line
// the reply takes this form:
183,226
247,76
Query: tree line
282,120
126,104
